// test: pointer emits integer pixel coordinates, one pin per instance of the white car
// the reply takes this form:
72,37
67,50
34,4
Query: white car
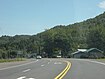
58,56
38,57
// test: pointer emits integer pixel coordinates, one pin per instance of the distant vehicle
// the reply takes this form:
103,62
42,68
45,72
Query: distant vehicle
58,56
38,57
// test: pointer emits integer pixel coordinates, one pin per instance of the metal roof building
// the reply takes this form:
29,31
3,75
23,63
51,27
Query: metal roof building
90,53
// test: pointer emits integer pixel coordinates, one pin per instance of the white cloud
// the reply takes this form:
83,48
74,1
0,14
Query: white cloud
102,4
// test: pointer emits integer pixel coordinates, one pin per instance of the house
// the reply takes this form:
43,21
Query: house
95,53
79,54
90,53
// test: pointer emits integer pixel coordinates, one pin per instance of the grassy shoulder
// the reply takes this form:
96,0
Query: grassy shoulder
101,59
12,60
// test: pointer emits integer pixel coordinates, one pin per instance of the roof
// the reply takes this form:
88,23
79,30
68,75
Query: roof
86,51
77,52
89,50
82,50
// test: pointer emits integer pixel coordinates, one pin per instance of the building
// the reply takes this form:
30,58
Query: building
95,53
79,54
90,53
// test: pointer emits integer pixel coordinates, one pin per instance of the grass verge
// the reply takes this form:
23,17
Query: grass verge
12,60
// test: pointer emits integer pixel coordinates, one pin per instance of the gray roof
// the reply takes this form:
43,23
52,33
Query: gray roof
77,52
89,50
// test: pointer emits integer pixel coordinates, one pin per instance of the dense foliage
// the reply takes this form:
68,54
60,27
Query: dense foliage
60,40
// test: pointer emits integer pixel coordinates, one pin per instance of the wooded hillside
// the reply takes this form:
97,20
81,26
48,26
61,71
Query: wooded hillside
59,40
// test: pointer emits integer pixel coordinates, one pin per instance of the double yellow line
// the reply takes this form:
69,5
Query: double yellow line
63,73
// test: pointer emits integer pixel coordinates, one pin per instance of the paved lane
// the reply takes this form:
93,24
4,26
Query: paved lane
86,69
50,68
41,69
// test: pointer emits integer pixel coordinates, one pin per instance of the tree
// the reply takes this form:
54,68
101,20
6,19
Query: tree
96,38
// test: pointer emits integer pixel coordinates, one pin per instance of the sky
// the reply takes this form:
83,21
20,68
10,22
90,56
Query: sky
29,17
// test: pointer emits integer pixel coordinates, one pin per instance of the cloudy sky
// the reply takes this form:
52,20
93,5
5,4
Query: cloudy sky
30,17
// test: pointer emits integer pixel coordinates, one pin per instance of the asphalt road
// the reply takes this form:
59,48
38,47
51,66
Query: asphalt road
50,68
86,69
35,69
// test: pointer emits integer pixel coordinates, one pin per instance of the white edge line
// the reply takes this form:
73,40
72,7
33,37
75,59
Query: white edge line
42,65
21,77
97,62
27,70
18,65
57,63
31,78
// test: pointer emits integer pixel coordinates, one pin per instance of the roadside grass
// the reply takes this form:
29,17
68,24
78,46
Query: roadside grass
101,59
12,60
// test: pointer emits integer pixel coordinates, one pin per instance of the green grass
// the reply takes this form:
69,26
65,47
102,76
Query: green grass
101,59
12,60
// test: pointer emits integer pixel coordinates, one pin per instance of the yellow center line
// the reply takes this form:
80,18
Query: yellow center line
64,72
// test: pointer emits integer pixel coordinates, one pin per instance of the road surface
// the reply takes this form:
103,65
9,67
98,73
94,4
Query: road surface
35,69
51,68
86,69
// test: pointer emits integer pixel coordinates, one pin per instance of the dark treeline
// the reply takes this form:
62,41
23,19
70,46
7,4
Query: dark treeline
60,40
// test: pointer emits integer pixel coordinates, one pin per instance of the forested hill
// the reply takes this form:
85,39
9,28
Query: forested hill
59,39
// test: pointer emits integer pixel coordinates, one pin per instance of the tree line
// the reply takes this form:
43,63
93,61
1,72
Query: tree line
59,40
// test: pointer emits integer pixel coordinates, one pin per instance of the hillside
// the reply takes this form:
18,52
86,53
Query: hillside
59,39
